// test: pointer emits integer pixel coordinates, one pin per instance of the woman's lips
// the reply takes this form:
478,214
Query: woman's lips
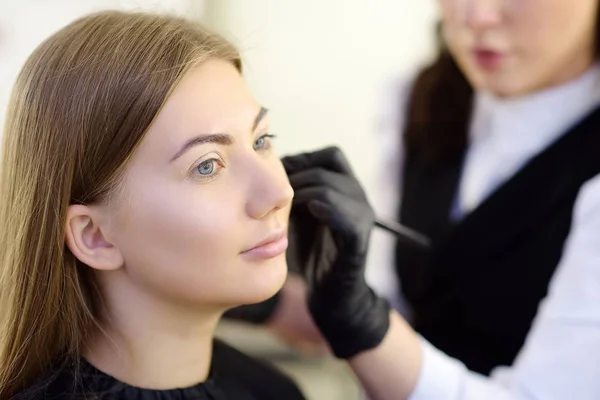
488,59
273,246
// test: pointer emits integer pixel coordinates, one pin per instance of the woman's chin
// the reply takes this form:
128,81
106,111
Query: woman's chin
265,282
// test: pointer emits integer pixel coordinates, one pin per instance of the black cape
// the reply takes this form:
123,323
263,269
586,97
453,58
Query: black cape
233,376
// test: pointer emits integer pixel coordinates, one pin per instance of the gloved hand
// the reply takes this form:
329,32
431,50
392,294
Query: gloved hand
330,226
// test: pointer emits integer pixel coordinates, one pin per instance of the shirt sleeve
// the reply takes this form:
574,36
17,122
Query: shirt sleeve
561,355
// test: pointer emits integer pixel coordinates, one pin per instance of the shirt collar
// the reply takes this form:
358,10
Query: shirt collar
530,122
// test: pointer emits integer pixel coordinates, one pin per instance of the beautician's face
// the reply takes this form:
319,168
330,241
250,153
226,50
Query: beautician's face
513,47
206,201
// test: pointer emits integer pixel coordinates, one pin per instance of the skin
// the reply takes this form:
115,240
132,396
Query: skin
168,250
543,43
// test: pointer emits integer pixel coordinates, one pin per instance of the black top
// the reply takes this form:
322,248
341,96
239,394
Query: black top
233,376
477,291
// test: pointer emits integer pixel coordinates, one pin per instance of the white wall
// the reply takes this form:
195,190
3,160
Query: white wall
26,23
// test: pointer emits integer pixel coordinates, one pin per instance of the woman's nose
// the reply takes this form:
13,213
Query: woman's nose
269,189
483,14
477,14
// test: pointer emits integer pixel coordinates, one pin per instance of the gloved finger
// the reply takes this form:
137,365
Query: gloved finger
346,214
330,158
322,177
342,229
325,194
329,215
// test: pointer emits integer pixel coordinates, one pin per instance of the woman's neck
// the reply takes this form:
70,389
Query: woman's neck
150,344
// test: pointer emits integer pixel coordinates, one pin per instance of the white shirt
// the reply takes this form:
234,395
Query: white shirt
561,355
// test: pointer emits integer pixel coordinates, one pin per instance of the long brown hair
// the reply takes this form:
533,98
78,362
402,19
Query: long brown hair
440,106
81,105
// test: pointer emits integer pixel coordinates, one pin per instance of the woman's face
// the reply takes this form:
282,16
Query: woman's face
512,47
205,205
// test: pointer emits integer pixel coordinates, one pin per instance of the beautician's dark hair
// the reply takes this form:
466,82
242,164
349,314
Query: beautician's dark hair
439,108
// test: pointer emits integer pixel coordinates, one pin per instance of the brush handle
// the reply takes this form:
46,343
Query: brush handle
402,232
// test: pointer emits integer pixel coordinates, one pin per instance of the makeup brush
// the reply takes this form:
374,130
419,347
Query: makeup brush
404,233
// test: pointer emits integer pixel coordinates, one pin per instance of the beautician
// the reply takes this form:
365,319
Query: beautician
494,155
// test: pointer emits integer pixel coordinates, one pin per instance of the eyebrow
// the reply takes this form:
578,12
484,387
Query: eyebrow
263,111
218,138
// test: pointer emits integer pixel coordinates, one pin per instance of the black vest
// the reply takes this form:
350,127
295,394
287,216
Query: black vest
477,291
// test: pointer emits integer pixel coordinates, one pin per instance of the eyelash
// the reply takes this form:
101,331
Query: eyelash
266,138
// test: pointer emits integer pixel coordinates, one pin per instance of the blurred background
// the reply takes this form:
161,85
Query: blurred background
325,69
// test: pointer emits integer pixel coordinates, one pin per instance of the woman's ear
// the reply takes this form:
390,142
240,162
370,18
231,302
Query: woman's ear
85,238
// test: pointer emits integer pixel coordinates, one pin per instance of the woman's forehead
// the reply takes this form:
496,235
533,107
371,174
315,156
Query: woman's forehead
211,99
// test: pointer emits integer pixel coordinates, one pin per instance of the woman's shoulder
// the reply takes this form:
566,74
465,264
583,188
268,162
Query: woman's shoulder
231,367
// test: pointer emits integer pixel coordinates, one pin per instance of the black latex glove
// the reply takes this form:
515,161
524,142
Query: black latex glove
330,226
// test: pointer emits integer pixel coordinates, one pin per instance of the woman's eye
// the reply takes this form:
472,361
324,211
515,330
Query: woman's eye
208,168
263,142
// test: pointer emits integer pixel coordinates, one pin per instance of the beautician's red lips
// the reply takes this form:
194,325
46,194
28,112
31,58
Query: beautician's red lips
487,58
271,246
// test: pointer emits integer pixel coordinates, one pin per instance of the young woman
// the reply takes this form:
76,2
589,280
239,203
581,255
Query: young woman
140,200
497,162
